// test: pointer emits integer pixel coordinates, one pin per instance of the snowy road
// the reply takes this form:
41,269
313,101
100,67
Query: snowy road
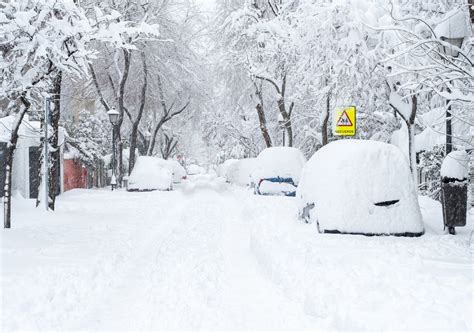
211,256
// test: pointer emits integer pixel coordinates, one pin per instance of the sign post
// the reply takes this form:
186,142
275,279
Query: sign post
344,121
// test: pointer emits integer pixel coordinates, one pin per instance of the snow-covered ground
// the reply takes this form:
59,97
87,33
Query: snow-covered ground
213,256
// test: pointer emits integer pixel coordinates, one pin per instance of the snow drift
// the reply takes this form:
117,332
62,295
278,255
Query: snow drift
360,187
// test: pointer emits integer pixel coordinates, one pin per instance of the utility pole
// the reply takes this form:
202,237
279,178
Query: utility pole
46,153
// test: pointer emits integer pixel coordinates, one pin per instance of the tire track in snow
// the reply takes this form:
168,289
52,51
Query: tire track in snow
199,274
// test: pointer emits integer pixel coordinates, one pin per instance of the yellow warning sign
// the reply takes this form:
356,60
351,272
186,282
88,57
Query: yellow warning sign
344,121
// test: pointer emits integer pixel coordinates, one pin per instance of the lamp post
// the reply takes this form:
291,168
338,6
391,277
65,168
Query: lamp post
452,32
113,117
453,52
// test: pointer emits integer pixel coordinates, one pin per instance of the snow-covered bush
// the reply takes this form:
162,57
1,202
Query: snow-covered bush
429,167
148,174
360,187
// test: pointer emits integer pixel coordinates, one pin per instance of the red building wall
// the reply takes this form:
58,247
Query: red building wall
75,175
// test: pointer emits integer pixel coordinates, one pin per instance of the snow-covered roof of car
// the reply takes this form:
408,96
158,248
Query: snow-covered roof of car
279,162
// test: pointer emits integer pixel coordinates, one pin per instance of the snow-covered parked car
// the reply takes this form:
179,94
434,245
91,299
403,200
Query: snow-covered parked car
277,171
223,167
240,171
360,187
178,171
194,169
149,174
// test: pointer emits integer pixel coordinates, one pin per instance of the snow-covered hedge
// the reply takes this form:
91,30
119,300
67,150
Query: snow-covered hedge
360,187
149,174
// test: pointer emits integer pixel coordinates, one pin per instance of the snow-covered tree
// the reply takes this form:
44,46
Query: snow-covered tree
39,39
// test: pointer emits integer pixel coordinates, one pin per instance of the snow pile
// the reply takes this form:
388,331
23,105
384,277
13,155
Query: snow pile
283,162
360,186
239,172
222,168
148,174
456,165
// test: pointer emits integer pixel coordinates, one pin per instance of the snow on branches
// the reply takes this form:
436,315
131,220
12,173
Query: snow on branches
38,38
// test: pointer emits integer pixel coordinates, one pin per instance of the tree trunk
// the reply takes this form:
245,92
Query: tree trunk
136,122
261,116
168,147
471,10
53,140
287,119
412,152
9,163
133,146
263,125
324,129
151,146
411,140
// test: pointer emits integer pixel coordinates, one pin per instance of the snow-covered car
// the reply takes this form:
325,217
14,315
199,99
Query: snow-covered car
179,173
223,167
277,171
360,187
194,169
240,171
149,174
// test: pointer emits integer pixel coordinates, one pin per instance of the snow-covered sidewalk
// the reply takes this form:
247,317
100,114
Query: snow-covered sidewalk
212,256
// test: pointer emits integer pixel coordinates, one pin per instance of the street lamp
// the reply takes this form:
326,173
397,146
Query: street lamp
453,52
113,117
452,31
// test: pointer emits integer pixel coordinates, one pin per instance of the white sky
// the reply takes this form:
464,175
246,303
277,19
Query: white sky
207,5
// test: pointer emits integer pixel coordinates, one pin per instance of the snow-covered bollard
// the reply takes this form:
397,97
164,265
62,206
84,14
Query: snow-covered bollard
454,181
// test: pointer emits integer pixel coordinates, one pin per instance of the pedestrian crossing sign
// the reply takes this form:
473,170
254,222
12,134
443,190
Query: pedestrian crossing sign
344,121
